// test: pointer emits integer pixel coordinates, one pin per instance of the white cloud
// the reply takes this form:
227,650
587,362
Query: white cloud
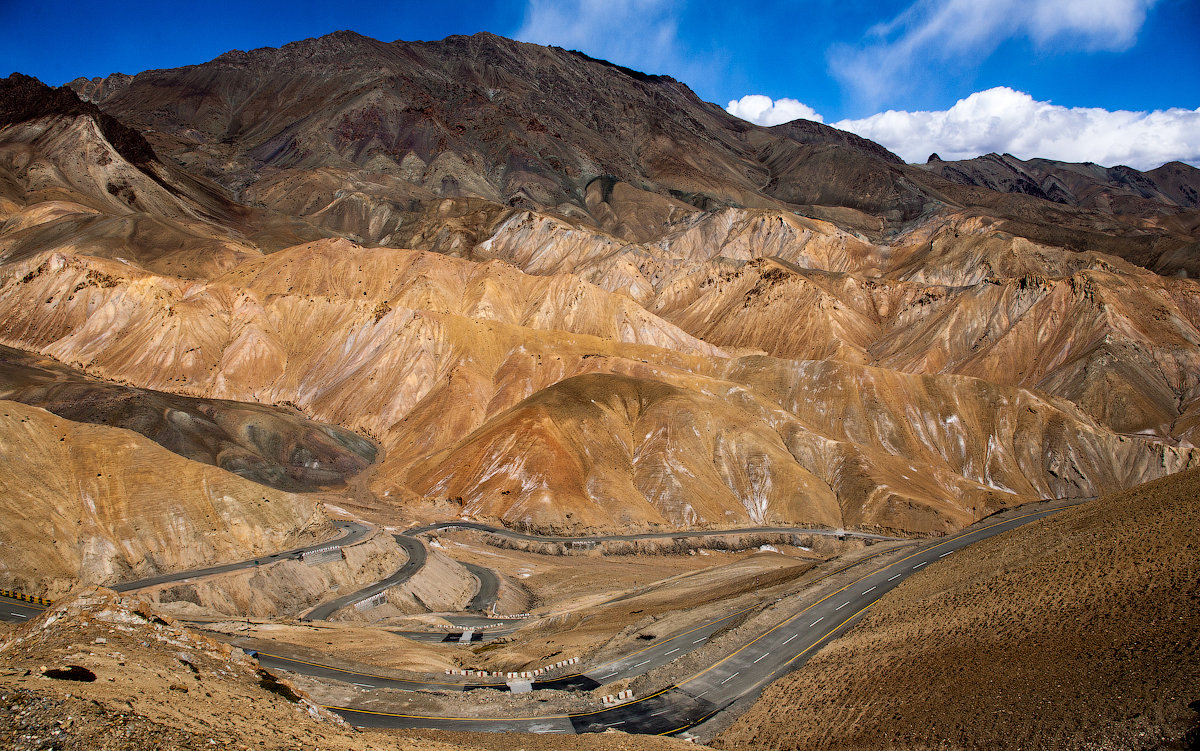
640,34
762,110
931,33
1003,120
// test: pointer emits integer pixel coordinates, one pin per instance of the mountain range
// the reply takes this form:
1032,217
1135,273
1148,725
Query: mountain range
560,294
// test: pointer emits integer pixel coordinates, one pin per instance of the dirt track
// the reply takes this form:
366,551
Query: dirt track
1079,631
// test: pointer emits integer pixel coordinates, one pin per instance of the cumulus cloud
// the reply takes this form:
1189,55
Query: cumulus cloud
934,32
1003,120
641,34
762,110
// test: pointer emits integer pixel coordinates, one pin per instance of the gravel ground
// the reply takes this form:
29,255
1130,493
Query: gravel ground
1080,631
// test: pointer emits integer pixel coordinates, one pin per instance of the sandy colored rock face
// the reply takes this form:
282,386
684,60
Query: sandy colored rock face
98,505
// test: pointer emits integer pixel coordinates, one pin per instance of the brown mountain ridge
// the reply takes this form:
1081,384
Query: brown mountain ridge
560,294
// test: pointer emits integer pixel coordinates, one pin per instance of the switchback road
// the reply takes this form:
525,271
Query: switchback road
416,560
352,532
741,672
489,582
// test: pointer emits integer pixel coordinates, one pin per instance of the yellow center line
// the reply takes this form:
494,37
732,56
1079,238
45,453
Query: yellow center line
354,672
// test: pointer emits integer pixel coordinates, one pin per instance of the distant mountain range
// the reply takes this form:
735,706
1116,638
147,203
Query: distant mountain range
562,294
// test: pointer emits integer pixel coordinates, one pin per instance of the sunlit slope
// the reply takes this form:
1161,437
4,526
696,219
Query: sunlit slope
94,504
426,353
1076,631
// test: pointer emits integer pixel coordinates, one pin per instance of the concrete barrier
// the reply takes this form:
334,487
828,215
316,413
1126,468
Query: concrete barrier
373,601
26,598
322,555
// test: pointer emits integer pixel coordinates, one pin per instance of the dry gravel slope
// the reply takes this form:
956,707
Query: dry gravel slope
149,683
1079,631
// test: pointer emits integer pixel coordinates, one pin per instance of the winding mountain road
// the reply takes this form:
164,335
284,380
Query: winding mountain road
677,535
416,561
742,672
802,629
352,532
489,582
489,587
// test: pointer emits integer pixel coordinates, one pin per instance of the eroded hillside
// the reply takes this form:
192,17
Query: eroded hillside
618,305
92,504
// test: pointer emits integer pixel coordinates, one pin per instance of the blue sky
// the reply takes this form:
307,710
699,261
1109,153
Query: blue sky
1100,80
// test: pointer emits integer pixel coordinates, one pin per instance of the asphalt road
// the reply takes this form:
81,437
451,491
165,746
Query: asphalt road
352,532
416,559
489,587
500,531
18,611
673,709
489,582
742,672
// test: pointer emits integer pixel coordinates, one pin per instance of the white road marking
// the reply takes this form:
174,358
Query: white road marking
364,685
673,650
764,654
943,555
661,711
700,640
844,604
705,692
614,724
19,615
647,662
816,621
919,565
869,590
793,636
897,576
610,675
730,678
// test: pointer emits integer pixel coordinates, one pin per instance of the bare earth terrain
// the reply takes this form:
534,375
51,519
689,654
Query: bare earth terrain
140,682
348,284
1078,631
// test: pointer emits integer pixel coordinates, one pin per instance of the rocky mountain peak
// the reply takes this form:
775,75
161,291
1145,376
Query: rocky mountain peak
24,98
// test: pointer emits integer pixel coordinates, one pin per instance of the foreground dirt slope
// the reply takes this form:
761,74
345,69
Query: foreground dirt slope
154,684
1078,631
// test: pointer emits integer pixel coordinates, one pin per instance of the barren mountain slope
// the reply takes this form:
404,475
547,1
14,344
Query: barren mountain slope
1077,631
958,295
764,440
599,450
461,116
399,124
1118,189
419,350
270,446
93,504
599,239
156,684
